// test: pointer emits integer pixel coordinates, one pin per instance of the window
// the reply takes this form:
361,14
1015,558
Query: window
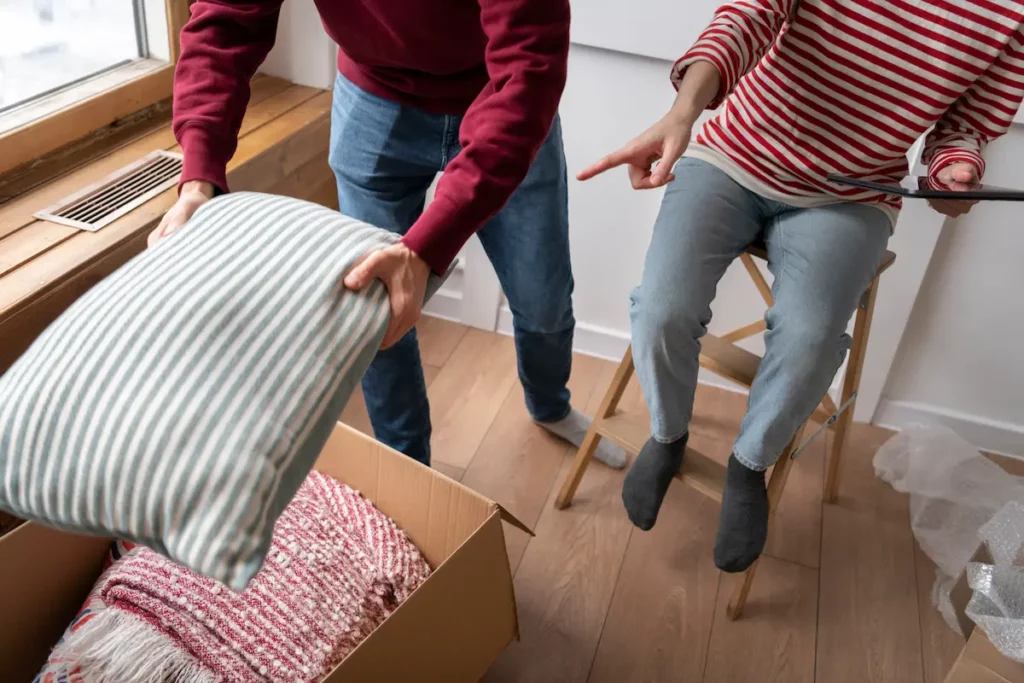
50,44
70,67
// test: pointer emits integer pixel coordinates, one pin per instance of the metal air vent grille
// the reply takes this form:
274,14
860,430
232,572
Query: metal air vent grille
102,203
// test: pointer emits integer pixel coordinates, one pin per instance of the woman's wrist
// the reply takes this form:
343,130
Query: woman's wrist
698,89
684,112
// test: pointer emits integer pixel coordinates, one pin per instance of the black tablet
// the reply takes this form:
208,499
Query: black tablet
919,187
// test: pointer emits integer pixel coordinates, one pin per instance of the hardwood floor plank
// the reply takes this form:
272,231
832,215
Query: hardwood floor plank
565,582
940,644
468,393
599,599
516,543
430,373
859,488
868,625
795,531
868,629
1014,466
438,339
773,642
660,619
518,461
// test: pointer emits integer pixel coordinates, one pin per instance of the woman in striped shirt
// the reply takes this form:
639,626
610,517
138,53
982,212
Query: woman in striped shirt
807,89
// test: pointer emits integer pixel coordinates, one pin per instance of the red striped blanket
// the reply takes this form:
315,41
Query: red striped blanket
336,569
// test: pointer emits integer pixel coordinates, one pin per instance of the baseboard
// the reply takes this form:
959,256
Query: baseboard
446,305
610,344
984,434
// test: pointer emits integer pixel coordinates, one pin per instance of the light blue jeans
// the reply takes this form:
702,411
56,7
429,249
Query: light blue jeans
822,260
385,155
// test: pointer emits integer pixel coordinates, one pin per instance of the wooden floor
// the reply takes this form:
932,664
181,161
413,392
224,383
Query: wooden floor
841,596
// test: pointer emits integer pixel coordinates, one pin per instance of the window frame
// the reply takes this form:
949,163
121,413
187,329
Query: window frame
32,140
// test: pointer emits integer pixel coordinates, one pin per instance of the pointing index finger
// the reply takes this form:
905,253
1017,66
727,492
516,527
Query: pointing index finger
609,162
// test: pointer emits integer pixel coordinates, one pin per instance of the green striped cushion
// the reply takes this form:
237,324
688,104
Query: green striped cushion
181,402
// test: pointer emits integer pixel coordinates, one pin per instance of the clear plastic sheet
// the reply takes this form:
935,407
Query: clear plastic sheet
997,605
954,493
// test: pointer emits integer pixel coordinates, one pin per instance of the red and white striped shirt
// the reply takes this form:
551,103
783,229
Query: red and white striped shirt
814,87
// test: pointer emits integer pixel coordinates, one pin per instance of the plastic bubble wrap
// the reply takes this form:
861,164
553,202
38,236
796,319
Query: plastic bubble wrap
954,493
997,605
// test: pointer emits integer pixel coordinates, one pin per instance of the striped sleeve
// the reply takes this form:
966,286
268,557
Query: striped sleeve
738,37
983,113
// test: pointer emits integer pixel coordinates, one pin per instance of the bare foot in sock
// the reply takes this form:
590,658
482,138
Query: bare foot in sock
573,428
648,479
743,525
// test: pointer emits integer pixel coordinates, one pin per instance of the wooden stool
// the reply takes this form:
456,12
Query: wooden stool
723,357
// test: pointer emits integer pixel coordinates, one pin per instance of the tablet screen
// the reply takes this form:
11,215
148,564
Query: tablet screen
927,188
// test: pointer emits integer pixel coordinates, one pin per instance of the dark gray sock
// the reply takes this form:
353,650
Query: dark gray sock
647,480
743,525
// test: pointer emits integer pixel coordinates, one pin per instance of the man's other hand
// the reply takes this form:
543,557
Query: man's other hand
405,275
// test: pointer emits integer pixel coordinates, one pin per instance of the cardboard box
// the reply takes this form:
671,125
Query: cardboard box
451,628
979,661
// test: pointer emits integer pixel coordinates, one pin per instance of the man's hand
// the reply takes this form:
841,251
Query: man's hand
664,143
405,275
958,177
194,194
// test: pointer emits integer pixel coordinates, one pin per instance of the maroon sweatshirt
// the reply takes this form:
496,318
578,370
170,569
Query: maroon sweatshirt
502,63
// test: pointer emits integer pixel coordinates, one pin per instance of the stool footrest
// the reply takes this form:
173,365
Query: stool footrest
631,432
728,360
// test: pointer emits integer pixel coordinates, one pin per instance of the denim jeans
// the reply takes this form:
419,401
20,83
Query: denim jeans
385,156
822,260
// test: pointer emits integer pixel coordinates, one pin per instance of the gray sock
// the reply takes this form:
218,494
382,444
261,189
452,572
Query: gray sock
573,428
648,479
743,525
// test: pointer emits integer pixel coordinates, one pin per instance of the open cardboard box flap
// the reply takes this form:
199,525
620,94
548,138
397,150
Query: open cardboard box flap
979,661
450,629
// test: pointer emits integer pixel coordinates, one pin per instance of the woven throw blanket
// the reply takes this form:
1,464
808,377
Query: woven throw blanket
62,667
336,569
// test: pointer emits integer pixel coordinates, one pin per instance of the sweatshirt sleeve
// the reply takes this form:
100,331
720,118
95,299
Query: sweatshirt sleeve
222,45
738,37
526,56
982,114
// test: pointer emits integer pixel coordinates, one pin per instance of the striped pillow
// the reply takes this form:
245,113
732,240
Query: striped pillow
181,402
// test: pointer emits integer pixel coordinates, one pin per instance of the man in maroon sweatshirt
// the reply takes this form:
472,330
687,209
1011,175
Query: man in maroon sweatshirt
467,87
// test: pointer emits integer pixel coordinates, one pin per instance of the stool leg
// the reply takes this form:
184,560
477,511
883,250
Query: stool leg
738,600
755,274
776,483
851,383
586,452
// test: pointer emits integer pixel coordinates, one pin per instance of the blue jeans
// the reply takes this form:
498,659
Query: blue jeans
822,260
385,155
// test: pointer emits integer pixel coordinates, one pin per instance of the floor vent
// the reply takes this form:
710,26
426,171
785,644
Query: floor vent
102,203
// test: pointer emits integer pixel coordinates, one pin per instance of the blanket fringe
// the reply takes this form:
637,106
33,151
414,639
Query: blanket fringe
116,647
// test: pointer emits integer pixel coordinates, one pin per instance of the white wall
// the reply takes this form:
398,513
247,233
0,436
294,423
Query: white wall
302,53
960,361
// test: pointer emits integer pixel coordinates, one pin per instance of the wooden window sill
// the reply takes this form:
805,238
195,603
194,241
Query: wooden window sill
79,92
44,267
